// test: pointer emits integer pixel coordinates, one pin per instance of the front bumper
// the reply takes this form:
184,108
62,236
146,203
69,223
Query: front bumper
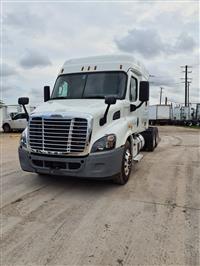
96,165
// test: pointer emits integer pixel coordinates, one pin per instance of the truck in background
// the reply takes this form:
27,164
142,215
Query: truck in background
12,117
94,124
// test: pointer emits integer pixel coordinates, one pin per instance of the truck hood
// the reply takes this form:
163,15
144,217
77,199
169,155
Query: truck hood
94,107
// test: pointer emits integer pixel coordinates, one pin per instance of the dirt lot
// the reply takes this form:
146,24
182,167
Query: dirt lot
153,220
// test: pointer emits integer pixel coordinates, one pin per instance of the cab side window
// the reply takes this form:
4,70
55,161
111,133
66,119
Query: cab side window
133,89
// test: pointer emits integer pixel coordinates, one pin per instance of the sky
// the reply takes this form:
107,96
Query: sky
37,37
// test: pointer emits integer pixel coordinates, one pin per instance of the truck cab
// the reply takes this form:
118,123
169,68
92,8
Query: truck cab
94,123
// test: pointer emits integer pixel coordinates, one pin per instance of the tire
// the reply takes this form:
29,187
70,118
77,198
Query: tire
123,177
151,138
156,138
152,144
6,128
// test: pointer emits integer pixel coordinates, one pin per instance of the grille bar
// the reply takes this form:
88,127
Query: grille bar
58,135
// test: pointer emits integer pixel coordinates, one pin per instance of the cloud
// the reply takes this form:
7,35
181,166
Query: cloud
144,41
184,43
163,81
149,43
6,88
34,59
163,36
24,20
7,70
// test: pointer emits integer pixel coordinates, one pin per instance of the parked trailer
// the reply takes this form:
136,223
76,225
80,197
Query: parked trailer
186,115
198,111
195,115
177,115
94,124
160,114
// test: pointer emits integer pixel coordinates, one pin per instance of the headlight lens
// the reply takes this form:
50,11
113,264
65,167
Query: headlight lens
23,139
105,143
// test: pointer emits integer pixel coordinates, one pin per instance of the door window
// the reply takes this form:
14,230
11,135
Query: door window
16,117
23,116
19,116
133,89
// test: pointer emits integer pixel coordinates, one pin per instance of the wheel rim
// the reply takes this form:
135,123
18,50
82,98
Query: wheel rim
127,162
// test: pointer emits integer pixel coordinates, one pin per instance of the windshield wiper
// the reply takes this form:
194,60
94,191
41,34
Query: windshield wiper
88,97
58,98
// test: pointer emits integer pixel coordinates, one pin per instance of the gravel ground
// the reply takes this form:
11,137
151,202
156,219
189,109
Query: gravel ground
153,220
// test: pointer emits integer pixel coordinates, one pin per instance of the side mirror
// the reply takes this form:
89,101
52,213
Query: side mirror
46,93
110,100
144,91
23,100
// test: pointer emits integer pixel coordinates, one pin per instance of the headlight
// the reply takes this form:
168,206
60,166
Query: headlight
105,143
23,139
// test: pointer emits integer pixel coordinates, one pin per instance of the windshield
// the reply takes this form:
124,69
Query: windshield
90,85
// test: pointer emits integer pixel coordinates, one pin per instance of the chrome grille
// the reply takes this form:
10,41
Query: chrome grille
62,135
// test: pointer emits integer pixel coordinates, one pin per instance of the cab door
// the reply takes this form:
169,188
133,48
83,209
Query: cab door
133,95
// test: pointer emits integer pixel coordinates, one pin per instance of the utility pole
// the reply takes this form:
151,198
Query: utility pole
186,82
161,89
188,92
186,76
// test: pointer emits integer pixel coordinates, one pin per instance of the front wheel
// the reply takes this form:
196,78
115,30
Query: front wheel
6,128
126,167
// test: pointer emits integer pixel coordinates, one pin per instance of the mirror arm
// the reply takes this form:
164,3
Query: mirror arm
139,105
25,111
103,120
136,107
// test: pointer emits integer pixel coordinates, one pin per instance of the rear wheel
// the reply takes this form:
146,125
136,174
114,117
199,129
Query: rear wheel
151,138
6,128
156,139
126,167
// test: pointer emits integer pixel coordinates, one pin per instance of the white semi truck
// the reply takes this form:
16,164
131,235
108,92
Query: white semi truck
95,122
